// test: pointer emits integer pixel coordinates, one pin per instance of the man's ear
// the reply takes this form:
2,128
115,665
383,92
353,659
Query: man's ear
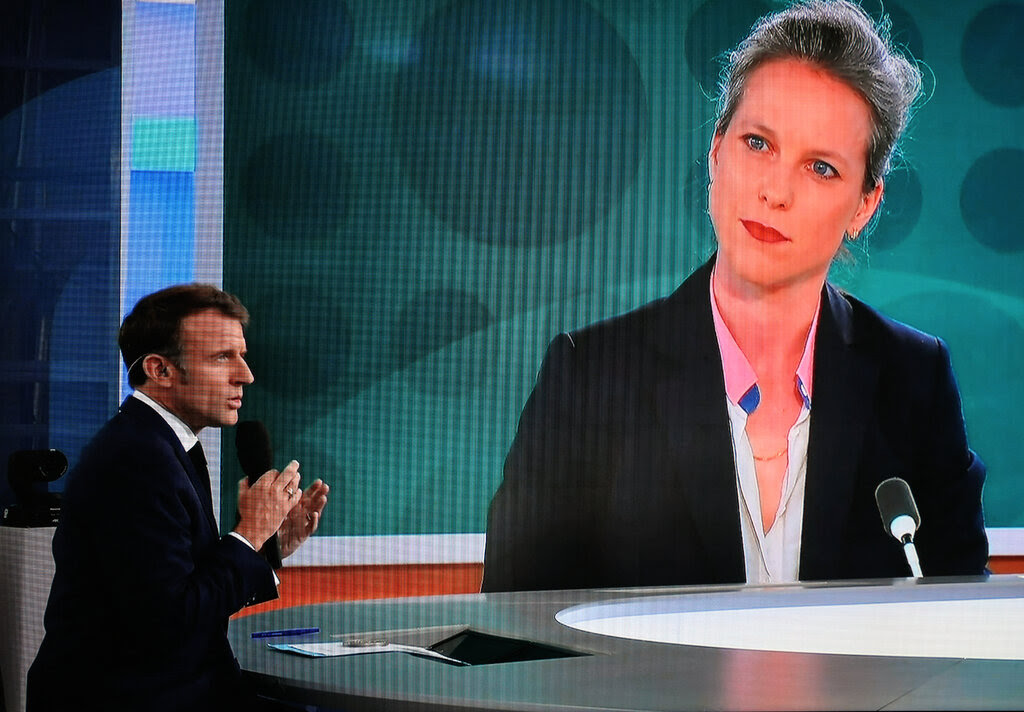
158,369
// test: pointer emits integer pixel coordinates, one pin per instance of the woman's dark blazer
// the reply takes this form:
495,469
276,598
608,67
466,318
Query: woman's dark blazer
622,472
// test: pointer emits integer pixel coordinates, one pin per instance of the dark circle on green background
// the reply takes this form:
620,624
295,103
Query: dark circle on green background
297,184
984,342
303,42
900,210
299,340
714,29
520,123
993,54
990,199
430,322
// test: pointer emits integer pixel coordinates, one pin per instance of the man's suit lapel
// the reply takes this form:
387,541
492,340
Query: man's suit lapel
152,421
201,483
844,380
690,400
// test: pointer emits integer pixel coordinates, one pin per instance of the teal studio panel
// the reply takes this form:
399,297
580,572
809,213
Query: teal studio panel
420,195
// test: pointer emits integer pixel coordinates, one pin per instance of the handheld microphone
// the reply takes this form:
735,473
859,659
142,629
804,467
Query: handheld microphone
256,456
900,517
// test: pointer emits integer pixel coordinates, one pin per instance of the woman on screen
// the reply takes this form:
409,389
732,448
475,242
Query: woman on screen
736,430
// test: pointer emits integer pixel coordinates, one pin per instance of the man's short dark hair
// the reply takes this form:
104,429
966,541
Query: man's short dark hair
154,325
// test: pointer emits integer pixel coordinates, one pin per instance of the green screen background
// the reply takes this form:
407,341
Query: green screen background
420,195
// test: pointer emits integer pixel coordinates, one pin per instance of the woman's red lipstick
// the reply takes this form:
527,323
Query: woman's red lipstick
763,232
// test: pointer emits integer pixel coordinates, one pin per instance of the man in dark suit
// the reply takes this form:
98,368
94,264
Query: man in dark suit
622,471
144,585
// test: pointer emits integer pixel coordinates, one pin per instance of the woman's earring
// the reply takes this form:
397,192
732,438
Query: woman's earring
852,235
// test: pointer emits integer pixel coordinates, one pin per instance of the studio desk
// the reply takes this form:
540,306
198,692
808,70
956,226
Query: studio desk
892,644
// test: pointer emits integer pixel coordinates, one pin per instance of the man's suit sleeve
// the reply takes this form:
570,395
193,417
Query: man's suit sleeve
158,556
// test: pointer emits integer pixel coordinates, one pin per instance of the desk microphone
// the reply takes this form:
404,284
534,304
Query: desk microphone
256,456
900,517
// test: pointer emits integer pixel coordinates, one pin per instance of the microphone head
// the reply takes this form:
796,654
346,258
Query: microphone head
255,453
894,500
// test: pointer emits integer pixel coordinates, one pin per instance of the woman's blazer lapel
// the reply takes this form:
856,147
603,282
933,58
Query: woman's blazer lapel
842,403
690,401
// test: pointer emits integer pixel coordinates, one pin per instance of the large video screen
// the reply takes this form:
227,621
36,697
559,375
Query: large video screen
420,195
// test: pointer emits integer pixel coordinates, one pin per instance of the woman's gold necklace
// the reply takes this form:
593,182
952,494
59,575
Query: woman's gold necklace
779,454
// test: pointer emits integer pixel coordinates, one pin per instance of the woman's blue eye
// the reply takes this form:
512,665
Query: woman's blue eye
756,142
824,170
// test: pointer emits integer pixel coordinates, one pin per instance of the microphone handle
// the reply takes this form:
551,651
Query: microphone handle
910,551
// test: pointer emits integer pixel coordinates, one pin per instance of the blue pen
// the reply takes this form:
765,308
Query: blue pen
283,633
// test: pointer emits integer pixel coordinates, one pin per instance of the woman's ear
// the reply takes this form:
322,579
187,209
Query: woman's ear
716,142
868,205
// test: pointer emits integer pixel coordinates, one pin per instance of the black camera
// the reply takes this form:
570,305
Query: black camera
28,471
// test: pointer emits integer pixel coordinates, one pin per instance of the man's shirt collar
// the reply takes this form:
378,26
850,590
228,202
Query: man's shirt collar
184,433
